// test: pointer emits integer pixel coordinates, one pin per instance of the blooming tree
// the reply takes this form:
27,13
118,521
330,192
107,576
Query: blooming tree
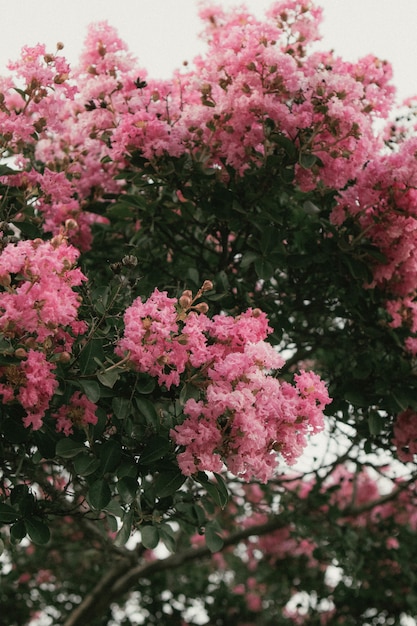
197,277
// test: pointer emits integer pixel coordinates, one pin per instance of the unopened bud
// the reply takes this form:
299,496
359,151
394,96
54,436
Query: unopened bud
5,280
256,313
59,45
64,357
57,241
207,285
101,48
71,224
20,353
202,307
185,302
188,293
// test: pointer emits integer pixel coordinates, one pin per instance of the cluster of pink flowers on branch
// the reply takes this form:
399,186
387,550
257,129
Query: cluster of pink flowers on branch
84,125
243,414
38,321
383,201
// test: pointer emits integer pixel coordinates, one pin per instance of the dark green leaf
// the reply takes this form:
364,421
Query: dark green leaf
99,494
214,541
124,533
155,449
109,378
18,531
307,160
167,483
8,514
68,448
110,456
85,464
37,530
91,389
122,407
148,410
14,431
127,488
150,536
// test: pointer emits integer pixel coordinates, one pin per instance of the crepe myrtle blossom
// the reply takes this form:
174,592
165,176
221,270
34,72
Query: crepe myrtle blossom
32,384
37,297
38,318
79,412
244,415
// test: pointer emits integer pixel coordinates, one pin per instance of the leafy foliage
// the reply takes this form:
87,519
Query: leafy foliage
154,235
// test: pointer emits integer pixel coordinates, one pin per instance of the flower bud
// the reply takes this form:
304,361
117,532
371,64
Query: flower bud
202,307
185,302
71,224
20,353
64,357
207,285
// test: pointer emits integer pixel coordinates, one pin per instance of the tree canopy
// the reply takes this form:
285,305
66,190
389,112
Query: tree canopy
208,334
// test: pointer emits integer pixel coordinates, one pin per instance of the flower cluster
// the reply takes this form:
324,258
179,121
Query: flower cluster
243,414
255,86
79,412
38,321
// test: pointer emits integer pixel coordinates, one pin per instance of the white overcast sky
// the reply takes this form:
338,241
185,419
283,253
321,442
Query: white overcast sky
164,33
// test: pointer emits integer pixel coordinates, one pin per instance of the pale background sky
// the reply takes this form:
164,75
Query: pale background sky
164,33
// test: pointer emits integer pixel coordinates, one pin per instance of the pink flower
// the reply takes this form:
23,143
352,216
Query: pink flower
31,383
79,412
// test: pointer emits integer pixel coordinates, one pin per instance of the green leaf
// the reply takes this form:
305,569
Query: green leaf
100,298
68,448
37,530
376,423
122,407
167,483
109,378
110,456
99,494
307,160
127,488
355,398
114,509
93,349
148,410
263,268
214,541
124,533
14,431
8,514
155,449
18,531
167,535
218,493
85,464
247,259
146,384
91,389
150,536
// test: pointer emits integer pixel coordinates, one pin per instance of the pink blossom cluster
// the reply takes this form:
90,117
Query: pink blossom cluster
79,412
244,414
38,302
383,201
39,310
31,383
84,125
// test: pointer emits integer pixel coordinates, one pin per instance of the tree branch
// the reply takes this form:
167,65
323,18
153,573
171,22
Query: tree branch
123,577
